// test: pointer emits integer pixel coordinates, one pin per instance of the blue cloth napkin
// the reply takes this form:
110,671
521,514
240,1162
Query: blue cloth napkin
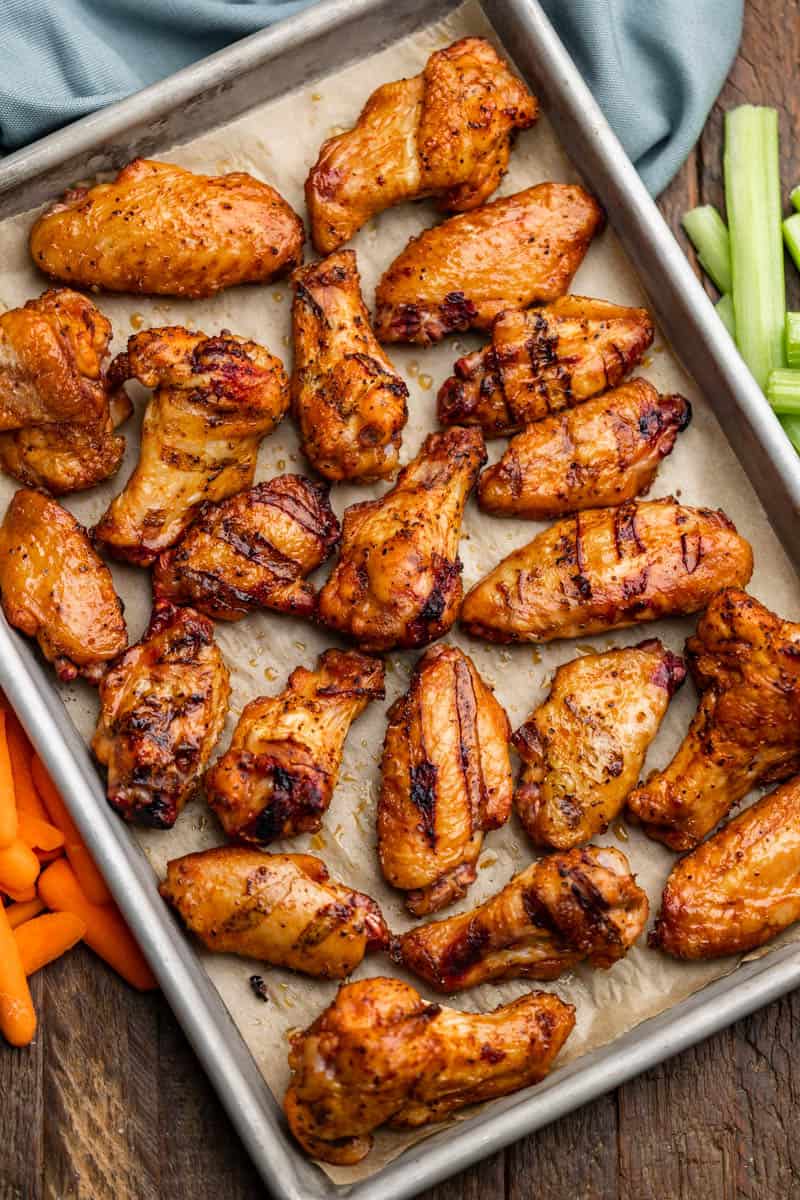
655,66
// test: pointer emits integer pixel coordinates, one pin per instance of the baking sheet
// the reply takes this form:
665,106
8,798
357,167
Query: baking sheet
279,142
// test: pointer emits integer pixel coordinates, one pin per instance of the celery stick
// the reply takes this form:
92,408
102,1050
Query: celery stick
791,427
791,236
794,196
724,308
792,339
783,391
709,236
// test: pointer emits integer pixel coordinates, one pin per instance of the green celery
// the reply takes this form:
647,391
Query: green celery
709,236
726,314
794,196
792,339
791,236
791,427
783,391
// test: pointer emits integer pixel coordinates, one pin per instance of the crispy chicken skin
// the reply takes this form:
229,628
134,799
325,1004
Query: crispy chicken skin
565,908
215,399
283,909
740,888
746,730
252,551
606,569
446,133
445,780
544,360
162,230
349,401
379,1054
603,453
56,589
510,254
397,581
278,776
583,749
162,708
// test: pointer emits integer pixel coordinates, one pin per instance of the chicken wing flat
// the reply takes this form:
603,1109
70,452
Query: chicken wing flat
252,551
381,1055
445,780
215,399
608,568
583,749
162,708
56,589
603,453
278,776
283,909
563,909
543,360
398,578
746,730
444,133
510,254
347,397
162,230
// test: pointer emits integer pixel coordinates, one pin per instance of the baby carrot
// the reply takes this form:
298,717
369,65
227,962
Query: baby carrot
8,803
19,895
19,867
17,1015
19,913
39,835
21,752
41,941
89,877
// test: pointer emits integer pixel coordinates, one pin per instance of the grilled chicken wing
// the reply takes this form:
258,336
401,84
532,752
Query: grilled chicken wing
215,399
252,551
603,453
543,360
381,1055
511,253
277,777
281,908
162,708
606,569
746,731
398,578
582,750
444,133
160,229
445,780
563,909
346,395
56,589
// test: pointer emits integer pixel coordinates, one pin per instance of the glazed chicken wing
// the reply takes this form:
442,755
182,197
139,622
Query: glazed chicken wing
746,731
162,230
543,360
444,133
510,254
215,399
381,1055
252,551
162,708
445,780
283,909
606,569
398,578
347,397
603,453
55,588
278,776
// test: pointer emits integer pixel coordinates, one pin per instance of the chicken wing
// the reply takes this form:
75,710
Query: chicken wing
347,397
283,909
398,578
603,453
278,776
445,780
215,399
379,1054
511,253
444,133
162,230
543,360
606,569
582,750
252,551
56,589
162,708
746,731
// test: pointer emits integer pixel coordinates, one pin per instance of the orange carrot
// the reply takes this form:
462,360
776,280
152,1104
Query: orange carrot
26,911
21,752
19,895
89,877
39,835
106,931
41,941
8,803
17,1015
19,867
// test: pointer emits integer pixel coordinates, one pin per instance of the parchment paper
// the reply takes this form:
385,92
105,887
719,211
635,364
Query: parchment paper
279,142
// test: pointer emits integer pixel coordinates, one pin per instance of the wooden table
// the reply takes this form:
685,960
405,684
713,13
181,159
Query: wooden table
110,1104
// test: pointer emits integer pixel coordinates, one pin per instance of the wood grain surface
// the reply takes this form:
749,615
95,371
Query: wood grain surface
110,1104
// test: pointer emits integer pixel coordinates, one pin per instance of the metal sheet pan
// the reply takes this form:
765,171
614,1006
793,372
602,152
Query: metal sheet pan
199,98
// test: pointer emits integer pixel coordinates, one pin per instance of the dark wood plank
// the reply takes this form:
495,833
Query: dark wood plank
574,1157
22,1111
